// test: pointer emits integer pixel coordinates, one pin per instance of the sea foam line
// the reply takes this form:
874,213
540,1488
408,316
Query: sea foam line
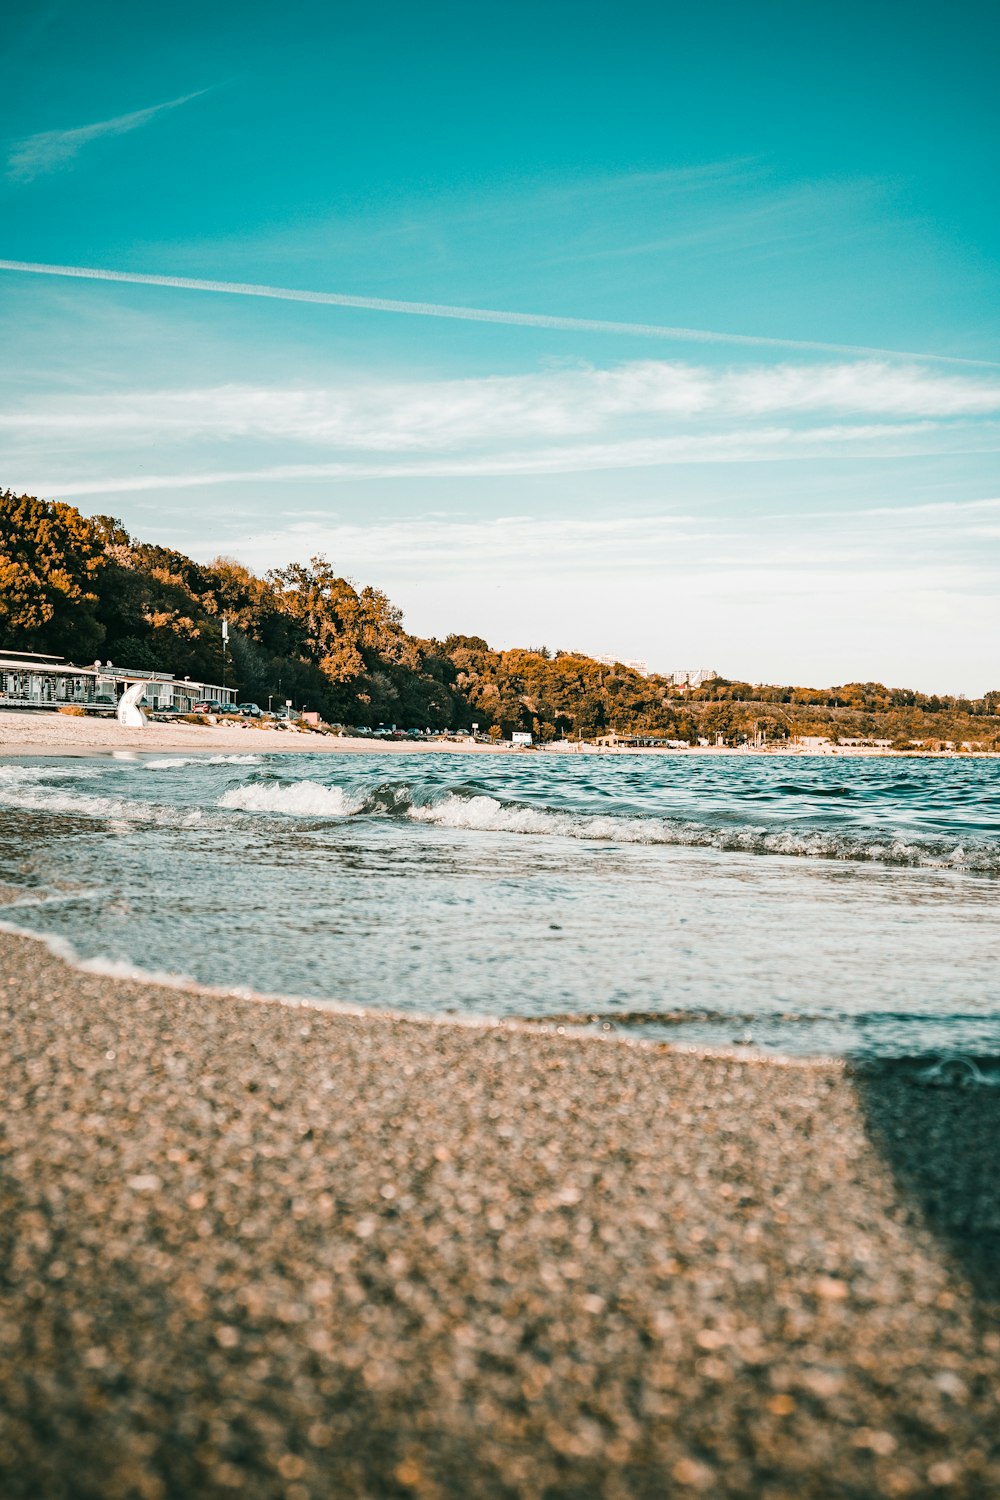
485,814
86,805
172,762
122,970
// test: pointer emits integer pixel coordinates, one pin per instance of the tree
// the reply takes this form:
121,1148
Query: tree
328,614
50,561
73,586
720,719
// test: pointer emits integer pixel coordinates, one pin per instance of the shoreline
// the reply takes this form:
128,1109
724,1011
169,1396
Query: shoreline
568,1028
271,1249
70,736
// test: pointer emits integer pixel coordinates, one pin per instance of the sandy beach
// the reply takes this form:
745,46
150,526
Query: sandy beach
262,1249
40,733
36,733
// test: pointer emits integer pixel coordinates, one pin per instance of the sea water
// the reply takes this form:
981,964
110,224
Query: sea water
801,905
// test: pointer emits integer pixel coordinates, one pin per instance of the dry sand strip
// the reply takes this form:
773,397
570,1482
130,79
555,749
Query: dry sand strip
27,733
260,1250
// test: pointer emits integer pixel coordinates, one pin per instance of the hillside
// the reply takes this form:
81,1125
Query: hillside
82,586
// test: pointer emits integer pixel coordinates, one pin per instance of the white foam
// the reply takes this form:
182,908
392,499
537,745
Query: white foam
84,804
120,968
300,799
488,815
63,950
113,968
12,775
172,762
21,775
59,898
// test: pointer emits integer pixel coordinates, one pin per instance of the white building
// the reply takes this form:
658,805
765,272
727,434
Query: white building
31,679
694,678
642,667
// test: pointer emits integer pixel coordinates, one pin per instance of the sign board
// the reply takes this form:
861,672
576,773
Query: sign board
225,630
520,737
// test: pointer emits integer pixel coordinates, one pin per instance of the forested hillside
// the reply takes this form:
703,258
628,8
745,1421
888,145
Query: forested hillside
83,587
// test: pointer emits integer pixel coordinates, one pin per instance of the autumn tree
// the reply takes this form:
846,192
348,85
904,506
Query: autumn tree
327,614
50,561
73,586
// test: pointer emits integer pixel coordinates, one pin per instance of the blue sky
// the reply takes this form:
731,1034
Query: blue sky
781,172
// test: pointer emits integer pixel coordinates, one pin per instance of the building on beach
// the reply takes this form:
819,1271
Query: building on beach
30,679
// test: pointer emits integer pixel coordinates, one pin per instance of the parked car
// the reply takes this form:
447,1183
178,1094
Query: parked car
229,708
252,710
103,700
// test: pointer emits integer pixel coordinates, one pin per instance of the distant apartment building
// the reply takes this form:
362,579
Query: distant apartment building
692,679
642,667
31,679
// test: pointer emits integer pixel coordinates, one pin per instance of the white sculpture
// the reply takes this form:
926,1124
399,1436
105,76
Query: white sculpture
130,715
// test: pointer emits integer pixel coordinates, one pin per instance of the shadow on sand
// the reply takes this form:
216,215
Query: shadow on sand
942,1140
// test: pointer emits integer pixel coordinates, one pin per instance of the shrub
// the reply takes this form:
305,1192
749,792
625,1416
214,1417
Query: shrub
73,710
193,719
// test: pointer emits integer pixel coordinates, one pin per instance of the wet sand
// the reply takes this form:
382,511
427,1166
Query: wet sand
257,1249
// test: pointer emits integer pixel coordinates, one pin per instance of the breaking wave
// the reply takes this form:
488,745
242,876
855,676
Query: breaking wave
472,809
173,762
299,799
488,814
865,835
88,805
519,887
39,789
16,775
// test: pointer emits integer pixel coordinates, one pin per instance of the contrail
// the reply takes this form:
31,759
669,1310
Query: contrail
477,314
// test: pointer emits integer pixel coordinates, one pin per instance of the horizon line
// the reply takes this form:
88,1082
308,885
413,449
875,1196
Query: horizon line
476,314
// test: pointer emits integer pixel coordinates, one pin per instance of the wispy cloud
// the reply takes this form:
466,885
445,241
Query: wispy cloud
643,414
755,223
766,445
849,599
50,149
475,314
645,398
723,551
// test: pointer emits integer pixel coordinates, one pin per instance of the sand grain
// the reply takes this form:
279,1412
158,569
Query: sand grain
258,1250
